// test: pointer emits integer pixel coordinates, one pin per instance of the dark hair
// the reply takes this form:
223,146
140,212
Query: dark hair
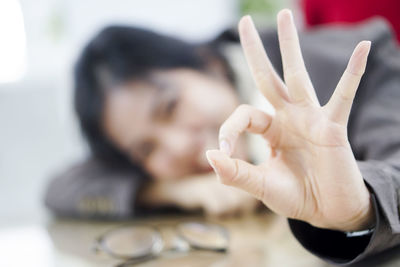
120,54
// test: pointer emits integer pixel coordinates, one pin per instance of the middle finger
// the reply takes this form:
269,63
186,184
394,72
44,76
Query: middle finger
296,76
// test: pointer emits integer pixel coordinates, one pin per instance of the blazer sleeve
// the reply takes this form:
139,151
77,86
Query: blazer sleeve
374,134
92,189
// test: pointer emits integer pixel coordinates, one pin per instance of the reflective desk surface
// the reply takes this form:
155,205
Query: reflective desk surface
255,240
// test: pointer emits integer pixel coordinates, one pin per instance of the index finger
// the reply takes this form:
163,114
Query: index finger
267,80
244,118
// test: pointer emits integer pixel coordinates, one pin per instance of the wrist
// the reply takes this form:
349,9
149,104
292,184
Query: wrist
364,219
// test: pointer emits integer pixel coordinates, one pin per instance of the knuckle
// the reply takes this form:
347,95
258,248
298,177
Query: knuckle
228,133
286,40
232,176
344,97
236,168
260,76
235,176
293,72
226,180
250,44
356,74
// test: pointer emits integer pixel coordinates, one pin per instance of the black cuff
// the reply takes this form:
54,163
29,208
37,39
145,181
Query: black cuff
334,246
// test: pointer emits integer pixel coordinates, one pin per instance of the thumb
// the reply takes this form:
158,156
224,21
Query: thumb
236,173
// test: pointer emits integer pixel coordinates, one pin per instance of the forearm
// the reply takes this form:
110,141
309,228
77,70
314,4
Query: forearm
91,190
158,194
201,192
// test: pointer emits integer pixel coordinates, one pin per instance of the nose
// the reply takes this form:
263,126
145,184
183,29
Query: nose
181,143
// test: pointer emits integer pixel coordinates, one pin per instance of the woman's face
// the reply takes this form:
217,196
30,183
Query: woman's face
166,124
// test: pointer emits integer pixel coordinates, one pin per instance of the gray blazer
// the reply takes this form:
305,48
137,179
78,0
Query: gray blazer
92,189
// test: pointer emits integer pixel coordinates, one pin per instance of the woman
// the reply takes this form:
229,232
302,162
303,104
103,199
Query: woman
149,106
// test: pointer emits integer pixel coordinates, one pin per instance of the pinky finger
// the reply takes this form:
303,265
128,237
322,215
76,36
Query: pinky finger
339,105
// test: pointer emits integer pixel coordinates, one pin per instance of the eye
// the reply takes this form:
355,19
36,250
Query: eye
167,101
171,107
146,149
168,107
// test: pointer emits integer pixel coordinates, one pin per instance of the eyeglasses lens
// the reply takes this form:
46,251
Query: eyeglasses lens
204,236
133,242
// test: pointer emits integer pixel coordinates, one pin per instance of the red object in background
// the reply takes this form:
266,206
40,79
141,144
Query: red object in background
319,12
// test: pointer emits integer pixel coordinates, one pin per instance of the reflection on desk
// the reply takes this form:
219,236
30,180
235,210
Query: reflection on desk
255,240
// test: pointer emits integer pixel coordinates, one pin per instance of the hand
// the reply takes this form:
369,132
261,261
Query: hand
201,192
311,174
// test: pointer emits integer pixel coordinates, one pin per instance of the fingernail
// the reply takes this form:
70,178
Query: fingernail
290,15
251,20
210,161
359,58
286,14
225,147
368,44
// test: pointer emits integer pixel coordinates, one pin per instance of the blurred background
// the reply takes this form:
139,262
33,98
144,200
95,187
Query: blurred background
40,41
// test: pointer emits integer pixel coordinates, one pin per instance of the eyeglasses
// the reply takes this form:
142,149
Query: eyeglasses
138,243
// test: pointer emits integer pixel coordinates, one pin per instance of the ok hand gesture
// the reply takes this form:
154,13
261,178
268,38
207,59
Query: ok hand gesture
312,174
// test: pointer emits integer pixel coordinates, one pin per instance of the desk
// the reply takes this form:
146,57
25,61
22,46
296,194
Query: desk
255,240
